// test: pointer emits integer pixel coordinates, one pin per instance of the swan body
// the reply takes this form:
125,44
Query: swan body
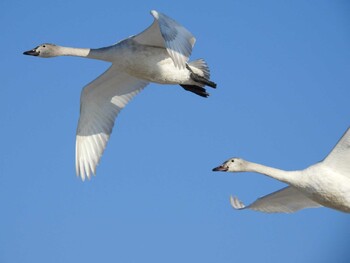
326,183
158,54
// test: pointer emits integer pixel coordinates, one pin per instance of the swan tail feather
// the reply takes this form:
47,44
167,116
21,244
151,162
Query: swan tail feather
200,72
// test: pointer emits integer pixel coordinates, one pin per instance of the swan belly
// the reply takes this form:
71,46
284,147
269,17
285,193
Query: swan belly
150,63
158,69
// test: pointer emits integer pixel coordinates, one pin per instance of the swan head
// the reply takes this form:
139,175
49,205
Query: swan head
232,165
44,50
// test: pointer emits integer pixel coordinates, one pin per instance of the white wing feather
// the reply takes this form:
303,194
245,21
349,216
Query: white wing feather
339,158
166,32
286,200
100,103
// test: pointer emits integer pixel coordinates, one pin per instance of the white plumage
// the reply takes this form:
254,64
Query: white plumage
326,183
158,54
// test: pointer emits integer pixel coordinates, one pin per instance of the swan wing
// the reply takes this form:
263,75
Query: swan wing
339,158
100,103
167,33
286,200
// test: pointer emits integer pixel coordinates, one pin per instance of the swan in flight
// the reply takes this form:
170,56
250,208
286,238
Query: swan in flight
326,183
158,54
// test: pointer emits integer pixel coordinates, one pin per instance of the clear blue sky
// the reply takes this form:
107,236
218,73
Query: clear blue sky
283,99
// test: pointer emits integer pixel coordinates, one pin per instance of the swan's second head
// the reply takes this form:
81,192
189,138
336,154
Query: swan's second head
232,165
44,51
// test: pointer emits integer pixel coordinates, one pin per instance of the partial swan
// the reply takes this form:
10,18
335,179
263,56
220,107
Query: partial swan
326,183
159,54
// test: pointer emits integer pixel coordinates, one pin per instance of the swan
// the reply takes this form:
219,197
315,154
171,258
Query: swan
326,183
158,54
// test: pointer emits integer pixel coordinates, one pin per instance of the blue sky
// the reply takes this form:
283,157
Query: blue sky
283,74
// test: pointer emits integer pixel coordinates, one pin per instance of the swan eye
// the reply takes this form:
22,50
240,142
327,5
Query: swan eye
44,46
232,161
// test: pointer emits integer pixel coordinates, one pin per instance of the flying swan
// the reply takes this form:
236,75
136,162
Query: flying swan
158,54
326,183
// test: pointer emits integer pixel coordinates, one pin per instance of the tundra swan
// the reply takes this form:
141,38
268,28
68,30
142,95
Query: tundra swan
158,54
326,183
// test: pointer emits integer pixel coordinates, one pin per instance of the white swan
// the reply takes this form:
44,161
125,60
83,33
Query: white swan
326,183
158,54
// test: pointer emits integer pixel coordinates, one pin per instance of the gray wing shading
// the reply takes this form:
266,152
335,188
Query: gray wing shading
167,33
339,158
100,103
286,200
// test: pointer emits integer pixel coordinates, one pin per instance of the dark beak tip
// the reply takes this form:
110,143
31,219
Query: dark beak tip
31,53
219,169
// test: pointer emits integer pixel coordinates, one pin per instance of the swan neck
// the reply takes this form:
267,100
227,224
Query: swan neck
76,52
100,53
290,177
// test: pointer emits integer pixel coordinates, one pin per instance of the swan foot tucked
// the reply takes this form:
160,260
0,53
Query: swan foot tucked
196,90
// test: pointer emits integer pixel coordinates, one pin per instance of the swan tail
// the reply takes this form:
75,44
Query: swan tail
200,73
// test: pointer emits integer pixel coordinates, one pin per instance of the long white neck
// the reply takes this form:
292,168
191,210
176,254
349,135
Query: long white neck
100,53
289,177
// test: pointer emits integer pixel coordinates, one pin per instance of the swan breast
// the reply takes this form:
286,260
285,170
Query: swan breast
328,188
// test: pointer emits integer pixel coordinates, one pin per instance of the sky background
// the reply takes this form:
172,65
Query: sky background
283,99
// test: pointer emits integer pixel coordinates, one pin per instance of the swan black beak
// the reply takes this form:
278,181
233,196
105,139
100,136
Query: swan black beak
32,52
220,168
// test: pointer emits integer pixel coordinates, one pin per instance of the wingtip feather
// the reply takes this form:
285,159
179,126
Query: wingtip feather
236,203
155,14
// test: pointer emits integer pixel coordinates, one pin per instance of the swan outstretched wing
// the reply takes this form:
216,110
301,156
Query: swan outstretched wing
286,200
100,103
167,33
339,158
